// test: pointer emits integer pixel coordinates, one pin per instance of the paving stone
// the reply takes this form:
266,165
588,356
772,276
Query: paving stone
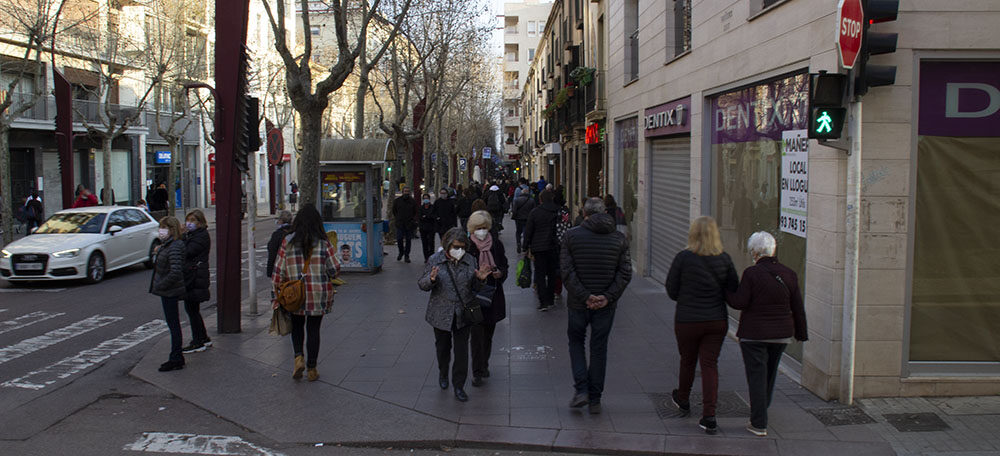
916,422
619,442
527,438
815,448
711,445
535,417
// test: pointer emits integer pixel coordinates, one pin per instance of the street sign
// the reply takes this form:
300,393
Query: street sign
275,146
162,157
463,164
850,21
487,152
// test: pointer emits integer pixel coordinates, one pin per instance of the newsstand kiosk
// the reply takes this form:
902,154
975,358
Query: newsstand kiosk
351,172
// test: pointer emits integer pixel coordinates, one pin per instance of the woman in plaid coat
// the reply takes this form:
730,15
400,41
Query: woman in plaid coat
307,242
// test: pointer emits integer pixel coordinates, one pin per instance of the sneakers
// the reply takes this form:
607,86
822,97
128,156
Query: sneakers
196,346
709,425
579,400
171,366
477,381
683,406
300,366
595,408
759,432
545,307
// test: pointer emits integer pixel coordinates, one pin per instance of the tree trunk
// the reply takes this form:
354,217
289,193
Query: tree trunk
106,191
172,177
359,103
312,122
6,191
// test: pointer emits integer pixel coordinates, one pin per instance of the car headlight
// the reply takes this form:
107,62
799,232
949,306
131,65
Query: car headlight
5,253
71,253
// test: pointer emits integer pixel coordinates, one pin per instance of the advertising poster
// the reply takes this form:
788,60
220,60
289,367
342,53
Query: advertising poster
794,182
351,243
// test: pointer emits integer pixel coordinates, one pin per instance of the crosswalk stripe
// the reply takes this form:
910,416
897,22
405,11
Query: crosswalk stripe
3,310
168,442
26,320
32,290
84,360
53,337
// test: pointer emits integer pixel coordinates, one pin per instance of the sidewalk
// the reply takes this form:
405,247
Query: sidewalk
378,386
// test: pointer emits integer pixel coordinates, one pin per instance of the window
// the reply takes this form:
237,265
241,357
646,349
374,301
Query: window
631,40
118,219
532,28
757,6
679,29
531,54
314,31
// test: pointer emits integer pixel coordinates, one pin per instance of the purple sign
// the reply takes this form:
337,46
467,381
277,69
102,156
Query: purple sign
668,118
761,112
959,99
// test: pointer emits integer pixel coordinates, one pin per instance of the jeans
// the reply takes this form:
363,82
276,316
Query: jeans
482,347
403,237
427,240
519,232
198,332
761,360
444,341
700,342
546,268
589,379
172,315
302,326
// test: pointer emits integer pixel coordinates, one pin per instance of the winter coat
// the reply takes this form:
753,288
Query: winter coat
699,284
770,310
168,271
404,210
274,244
595,261
464,207
496,203
323,268
35,211
444,306
523,205
197,245
540,231
445,215
85,201
428,222
497,311
158,201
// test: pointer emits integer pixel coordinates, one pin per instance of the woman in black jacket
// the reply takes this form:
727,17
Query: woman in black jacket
698,280
487,249
197,245
168,284
428,223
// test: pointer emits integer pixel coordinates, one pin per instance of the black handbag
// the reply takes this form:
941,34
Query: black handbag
472,312
485,295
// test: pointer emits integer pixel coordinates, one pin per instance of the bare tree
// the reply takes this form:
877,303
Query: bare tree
311,100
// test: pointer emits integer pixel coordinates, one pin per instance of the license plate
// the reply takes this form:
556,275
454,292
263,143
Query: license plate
28,266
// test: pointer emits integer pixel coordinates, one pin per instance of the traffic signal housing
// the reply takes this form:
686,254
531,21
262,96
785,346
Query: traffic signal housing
827,109
876,43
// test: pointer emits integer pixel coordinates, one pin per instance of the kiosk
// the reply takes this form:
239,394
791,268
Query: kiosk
351,173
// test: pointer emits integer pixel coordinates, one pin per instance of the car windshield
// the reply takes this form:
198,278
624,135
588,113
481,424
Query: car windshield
72,222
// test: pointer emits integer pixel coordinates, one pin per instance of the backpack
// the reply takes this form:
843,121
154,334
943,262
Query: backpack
563,223
495,203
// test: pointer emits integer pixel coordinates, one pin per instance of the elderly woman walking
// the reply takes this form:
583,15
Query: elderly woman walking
772,315
168,284
453,279
698,280
490,251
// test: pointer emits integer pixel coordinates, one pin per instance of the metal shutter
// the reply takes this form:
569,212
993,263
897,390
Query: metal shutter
670,198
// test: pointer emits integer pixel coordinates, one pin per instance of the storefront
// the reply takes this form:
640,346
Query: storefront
627,178
667,130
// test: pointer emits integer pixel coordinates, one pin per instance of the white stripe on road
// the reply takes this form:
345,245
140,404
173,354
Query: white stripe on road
165,442
31,290
3,310
26,320
84,360
54,337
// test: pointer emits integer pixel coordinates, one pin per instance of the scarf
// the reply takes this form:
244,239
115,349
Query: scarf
485,250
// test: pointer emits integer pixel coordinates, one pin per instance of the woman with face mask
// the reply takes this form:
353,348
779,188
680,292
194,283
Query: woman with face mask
489,251
168,284
197,245
427,226
452,278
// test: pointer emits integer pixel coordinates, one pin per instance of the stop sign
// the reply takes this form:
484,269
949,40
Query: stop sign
850,23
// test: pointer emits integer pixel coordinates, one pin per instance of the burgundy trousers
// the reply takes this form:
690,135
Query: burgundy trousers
700,342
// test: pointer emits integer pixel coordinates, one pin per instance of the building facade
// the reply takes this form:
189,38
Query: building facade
707,109
523,26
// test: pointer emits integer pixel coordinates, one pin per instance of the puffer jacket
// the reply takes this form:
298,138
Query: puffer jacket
497,311
699,285
168,272
523,205
428,221
540,231
444,306
595,261
197,245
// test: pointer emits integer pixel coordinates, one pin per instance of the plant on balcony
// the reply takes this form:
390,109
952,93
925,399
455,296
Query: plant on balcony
549,110
583,75
570,89
561,97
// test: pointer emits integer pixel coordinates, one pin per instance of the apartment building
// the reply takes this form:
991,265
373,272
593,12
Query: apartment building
523,25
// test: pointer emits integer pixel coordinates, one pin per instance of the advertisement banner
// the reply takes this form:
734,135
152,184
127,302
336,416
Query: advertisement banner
350,242
794,182
959,99
343,176
761,112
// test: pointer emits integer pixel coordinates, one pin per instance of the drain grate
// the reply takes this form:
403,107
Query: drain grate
729,405
916,422
841,416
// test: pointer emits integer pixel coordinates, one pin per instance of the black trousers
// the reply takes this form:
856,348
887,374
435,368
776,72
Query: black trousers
482,347
198,332
546,270
403,237
427,240
761,360
519,232
445,341
306,327
589,377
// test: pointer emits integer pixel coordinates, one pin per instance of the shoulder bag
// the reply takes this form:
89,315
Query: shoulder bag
291,294
472,312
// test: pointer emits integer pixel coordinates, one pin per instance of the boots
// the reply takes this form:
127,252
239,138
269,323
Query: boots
312,375
300,365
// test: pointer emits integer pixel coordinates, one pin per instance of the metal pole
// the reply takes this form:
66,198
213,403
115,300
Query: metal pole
251,226
852,234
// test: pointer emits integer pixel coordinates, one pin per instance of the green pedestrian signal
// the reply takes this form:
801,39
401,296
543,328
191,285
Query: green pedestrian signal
826,122
827,105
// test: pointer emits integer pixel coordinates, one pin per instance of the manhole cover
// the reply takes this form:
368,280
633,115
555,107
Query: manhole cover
729,405
841,416
916,422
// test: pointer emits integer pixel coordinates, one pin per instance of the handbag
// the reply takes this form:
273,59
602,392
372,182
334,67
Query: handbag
524,273
291,294
281,323
472,312
485,295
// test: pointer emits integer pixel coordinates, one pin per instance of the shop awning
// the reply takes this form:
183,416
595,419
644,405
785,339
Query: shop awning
344,151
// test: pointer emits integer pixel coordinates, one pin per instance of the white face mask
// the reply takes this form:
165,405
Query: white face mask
457,254
163,234
481,234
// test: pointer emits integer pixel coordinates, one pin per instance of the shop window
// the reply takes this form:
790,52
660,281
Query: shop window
627,151
343,195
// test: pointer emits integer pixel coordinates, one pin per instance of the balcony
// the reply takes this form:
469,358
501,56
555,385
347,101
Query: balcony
93,110
44,108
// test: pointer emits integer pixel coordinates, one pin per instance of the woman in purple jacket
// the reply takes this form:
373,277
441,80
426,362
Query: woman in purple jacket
772,316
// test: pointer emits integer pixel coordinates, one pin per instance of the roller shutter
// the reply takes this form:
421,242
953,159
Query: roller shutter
670,184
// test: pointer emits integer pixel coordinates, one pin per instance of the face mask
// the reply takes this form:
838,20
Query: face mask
481,234
427,201
456,253
443,195
191,226
163,234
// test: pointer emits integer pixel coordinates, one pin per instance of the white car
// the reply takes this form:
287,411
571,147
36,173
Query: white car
83,243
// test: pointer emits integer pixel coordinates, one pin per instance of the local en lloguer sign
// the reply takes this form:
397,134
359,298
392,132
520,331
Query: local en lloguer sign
850,23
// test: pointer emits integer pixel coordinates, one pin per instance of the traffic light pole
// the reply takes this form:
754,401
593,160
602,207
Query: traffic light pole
852,234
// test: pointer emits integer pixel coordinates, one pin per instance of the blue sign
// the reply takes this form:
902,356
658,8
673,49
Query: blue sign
463,164
487,152
162,157
352,244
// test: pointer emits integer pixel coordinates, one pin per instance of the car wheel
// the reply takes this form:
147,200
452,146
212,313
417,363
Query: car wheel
152,255
95,268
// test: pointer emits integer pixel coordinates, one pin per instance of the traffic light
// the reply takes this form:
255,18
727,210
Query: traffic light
875,43
826,105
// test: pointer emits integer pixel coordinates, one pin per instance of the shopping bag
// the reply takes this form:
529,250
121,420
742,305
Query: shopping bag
524,273
281,323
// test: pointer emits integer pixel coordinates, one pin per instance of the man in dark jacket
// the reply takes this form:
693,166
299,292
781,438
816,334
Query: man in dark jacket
274,244
496,205
445,213
540,240
404,211
596,268
428,223
463,205
523,205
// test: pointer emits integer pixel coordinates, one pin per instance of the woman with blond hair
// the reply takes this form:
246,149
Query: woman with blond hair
699,278
168,284
487,249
